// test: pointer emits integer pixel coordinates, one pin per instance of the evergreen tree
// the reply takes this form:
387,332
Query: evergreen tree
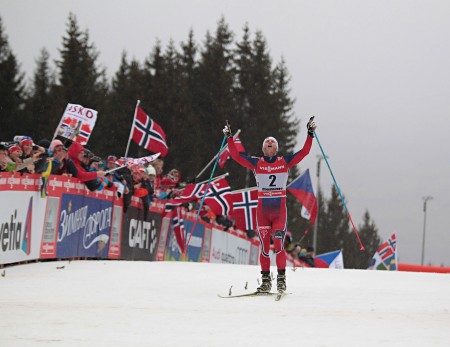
214,102
40,103
128,86
333,225
12,91
81,81
354,258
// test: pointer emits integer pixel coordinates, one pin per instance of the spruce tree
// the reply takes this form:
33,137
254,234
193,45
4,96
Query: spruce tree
12,91
80,79
40,104
355,258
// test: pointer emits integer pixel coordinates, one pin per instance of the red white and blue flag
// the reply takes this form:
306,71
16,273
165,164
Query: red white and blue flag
179,229
303,191
219,197
385,258
225,154
192,192
148,134
245,203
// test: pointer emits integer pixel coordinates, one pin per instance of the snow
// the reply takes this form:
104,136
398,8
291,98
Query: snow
119,303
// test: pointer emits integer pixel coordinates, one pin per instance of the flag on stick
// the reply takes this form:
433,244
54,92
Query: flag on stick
148,134
385,258
244,208
303,191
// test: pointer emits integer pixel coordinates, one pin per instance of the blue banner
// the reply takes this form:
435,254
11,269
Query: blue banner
194,249
84,227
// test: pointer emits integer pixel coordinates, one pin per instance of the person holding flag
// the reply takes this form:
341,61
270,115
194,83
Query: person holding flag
271,175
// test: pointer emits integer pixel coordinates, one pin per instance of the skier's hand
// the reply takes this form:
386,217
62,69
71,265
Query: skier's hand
311,126
227,130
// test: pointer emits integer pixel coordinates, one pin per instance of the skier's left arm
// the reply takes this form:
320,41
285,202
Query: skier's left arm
297,157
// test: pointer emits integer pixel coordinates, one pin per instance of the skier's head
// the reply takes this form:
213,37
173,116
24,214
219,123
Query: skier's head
270,146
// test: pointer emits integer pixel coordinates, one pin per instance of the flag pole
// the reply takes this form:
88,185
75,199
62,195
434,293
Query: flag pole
245,189
203,199
132,127
57,128
215,178
339,191
218,154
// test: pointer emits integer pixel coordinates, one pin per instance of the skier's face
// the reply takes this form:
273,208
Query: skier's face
270,147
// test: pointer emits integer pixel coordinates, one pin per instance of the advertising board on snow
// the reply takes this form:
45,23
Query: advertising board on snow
84,227
139,235
228,248
21,222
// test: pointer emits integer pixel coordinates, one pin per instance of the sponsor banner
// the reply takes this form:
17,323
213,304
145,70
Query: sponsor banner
84,227
116,233
228,248
49,240
139,236
165,228
194,250
206,245
21,223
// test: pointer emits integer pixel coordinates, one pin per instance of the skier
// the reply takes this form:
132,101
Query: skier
271,174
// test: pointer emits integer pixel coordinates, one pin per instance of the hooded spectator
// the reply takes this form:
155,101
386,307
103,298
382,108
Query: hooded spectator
74,166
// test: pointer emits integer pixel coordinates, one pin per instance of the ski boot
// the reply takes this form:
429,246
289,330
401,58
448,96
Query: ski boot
266,284
281,281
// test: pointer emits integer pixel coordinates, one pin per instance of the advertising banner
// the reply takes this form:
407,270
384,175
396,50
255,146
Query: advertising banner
228,248
194,250
139,236
21,224
84,227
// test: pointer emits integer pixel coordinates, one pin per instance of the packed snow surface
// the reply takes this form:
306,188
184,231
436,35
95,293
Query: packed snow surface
118,303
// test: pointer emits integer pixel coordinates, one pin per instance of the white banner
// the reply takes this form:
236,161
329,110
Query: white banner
228,248
21,225
77,123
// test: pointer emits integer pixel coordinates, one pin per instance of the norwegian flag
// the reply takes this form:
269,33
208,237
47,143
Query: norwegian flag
179,230
148,134
192,191
225,154
219,197
244,208
385,258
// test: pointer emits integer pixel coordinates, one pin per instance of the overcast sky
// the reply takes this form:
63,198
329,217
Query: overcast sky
375,73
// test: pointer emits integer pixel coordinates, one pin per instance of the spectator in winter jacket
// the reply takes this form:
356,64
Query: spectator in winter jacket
74,166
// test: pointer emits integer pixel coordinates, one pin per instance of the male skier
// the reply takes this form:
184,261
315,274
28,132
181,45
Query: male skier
271,174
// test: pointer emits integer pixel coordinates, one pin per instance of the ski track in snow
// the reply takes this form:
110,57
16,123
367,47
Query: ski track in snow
119,303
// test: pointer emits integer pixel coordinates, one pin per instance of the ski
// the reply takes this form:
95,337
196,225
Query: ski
279,295
246,294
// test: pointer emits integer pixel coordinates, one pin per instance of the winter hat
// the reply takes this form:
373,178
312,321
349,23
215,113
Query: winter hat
14,148
150,170
111,159
270,138
54,144
26,141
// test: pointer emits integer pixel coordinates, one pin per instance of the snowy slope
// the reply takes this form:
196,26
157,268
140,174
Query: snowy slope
112,303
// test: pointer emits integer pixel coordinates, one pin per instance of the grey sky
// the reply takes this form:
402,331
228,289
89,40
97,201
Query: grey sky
375,73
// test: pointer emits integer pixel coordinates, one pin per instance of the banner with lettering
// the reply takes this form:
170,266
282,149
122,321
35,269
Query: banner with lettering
84,227
77,123
139,236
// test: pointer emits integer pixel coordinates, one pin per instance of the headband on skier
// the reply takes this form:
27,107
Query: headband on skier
270,138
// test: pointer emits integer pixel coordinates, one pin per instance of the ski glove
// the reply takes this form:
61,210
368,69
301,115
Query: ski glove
227,131
311,126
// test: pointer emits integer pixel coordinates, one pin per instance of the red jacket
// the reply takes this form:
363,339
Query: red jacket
76,169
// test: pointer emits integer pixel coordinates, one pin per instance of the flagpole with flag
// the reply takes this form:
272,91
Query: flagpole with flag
132,127
218,154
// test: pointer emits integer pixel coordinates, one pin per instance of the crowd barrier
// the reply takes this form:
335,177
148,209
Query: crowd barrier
73,222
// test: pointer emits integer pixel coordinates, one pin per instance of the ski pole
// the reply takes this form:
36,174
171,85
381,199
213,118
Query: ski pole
339,191
203,199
